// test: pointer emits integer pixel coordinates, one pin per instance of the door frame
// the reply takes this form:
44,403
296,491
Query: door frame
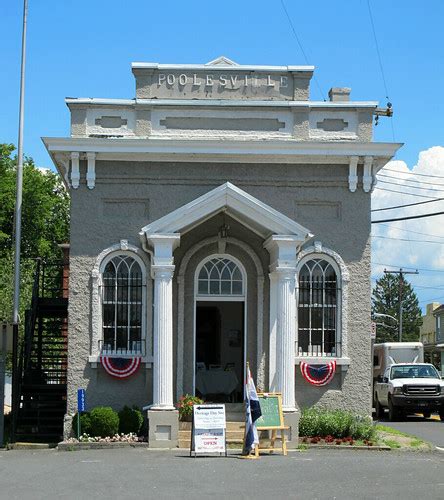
220,298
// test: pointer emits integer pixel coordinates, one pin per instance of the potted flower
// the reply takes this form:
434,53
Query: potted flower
185,406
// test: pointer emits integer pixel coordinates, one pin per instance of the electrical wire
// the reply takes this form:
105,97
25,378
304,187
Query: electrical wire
407,267
381,67
411,231
411,187
407,205
409,194
410,180
412,173
408,217
405,239
301,47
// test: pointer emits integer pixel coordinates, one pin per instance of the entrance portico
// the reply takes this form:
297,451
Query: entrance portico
281,238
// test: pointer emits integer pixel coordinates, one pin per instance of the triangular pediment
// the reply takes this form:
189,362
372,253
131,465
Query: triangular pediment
222,61
248,210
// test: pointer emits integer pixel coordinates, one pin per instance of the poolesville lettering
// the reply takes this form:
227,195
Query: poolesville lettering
222,80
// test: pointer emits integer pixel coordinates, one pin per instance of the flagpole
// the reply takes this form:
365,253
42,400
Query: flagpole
18,215
19,188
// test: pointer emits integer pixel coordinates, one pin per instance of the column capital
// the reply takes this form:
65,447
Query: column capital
162,272
164,245
283,249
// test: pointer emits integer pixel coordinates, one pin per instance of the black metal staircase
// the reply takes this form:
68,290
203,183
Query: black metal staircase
42,365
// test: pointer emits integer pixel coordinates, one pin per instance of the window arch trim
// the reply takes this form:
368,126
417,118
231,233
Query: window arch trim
223,296
317,251
122,248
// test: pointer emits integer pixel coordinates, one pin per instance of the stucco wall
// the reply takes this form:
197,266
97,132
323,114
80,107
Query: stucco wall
128,195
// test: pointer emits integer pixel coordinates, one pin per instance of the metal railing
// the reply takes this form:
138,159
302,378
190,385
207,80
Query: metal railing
325,349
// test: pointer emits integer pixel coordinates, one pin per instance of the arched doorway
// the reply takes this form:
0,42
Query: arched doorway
219,328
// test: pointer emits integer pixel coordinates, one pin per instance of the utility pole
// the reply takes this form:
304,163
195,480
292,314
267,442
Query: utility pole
401,273
18,221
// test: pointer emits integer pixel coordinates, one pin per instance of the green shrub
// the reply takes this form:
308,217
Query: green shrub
104,421
131,420
85,423
335,423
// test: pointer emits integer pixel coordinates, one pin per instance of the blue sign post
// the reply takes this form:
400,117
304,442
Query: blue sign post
80,408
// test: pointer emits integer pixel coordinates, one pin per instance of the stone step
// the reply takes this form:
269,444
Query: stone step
186,435
185,443
231,426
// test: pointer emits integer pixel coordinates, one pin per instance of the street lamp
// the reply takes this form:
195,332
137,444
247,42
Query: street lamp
380,315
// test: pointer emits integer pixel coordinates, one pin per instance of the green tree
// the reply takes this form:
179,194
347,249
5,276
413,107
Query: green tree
385,300
45,209
45,224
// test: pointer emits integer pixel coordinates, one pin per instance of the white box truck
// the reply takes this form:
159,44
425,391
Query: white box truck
389,353
403,383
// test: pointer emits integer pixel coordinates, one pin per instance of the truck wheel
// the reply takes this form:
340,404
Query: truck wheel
426,414
441,414
379,409
393,413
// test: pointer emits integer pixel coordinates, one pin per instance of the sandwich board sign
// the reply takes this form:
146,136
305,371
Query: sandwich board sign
208,434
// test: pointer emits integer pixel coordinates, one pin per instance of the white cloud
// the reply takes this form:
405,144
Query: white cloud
411,253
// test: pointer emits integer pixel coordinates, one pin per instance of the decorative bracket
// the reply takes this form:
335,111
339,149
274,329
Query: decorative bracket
353,173
75,170
91,170
368,177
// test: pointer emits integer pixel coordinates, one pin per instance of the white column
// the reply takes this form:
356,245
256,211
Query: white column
282,249
163,338
162,271
286,335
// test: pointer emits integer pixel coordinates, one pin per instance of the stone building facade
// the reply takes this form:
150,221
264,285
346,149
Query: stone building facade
220,217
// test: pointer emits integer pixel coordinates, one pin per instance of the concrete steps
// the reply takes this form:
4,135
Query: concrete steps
235,433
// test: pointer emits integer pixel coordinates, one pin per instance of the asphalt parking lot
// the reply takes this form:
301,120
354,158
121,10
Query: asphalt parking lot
132,473
430,429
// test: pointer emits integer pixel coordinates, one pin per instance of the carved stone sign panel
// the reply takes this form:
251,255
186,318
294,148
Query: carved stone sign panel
220,84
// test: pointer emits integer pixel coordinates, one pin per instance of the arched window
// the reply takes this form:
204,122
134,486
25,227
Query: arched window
220,276
122,306
317,309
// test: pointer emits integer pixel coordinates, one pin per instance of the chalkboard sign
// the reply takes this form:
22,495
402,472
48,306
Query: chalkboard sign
271,407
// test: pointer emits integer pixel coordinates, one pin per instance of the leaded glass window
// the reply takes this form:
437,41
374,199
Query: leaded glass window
220,276
317,310
122,307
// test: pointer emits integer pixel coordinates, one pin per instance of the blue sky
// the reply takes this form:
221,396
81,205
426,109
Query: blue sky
84,48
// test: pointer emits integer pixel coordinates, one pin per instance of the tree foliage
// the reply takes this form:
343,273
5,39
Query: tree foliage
45,208
385,300
45,224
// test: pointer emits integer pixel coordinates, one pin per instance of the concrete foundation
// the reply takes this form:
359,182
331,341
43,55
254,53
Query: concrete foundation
291,420
163,428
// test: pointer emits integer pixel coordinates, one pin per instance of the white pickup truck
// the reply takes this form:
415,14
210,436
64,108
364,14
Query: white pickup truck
409,388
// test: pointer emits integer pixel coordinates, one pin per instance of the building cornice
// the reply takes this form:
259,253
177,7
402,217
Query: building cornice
93,101
273,150
225,67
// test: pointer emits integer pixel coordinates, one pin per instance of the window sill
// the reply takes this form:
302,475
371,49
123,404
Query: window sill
94,360
343,362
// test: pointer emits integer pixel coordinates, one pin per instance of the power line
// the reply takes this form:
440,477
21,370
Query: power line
411,187
411,231
406,239
380,63
413,173
411,180
407,205
418,268
408,217
301,47
430,300
409,194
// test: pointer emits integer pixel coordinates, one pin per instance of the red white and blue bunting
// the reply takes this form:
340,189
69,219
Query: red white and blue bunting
318,374
120,367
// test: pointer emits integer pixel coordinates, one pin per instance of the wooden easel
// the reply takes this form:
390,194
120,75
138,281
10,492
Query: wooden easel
281,428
